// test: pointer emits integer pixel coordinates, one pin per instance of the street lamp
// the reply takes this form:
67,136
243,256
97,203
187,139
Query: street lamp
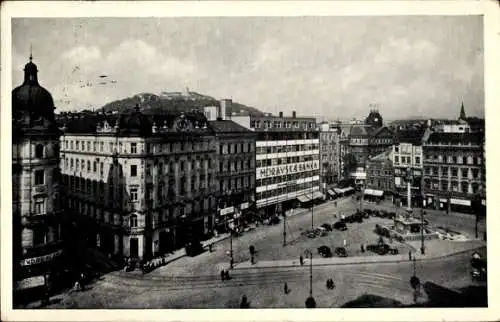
310,302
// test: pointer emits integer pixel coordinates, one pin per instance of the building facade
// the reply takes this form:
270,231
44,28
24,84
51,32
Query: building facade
453,170
287,160
407,155
379,176
140,185
329,149
37,214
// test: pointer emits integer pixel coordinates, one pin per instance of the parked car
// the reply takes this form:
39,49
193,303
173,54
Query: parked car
274,220
320,231
382,249
194,248
325,251
340,225
341,252
328,227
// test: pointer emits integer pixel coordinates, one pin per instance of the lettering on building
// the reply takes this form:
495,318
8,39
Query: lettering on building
287,169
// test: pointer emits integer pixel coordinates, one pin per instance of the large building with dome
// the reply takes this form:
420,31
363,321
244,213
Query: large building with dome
36,209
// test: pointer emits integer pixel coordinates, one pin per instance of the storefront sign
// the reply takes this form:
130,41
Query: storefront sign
41,259
287,169
226,211
460,202
244,205
30,282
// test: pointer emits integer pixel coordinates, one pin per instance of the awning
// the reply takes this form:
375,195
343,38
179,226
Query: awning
337,190
348,189
373,192
331,193
303,198
317,195
343,190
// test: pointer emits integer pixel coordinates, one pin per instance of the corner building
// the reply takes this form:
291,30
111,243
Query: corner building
140,185
36,211
287,160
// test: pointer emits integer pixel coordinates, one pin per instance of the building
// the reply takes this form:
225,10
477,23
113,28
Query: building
329,150
365,141
235,159
140,185
379,176
453,170
36,211
287,160
407,155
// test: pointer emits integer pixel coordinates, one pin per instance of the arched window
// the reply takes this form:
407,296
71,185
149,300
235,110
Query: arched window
39,151
133,221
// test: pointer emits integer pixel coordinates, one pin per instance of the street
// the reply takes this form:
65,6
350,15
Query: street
264,287
194,282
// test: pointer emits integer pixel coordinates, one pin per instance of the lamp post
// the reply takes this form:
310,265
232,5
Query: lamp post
310,302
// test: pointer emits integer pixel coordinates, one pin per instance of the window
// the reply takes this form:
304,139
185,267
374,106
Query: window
454,159
444,171
39,177
95,146
465,186
133,221
39,206
88,165
417,160
444,185
39,151
95,166
88,146
465,172
133,194
133,171
102,146
396,159
396,149
133,147
182,165
39,235
475,173
454,172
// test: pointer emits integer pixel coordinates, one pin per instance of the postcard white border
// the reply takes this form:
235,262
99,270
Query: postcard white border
490,10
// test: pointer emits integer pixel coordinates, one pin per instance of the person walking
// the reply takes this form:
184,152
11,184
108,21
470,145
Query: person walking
222,275
301,260
409,255
362,248
286,288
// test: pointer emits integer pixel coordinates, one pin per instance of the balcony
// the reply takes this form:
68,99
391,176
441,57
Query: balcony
40,189
43,249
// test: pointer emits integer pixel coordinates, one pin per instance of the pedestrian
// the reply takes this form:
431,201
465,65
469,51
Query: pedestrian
227,277
210,248
409,255
222,275
301,260
286,288
362,248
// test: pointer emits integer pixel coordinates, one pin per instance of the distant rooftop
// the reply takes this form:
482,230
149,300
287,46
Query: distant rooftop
455,138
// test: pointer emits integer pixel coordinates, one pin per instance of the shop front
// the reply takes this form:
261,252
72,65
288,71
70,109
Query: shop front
373,195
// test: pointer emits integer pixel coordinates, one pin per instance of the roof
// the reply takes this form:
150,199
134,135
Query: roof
413,136
360,130
384,156
440,137
227,126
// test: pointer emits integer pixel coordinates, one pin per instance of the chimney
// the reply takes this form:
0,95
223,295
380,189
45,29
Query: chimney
281,114
294,114
224,108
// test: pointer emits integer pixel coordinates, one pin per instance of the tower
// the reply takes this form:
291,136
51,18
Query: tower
36,208
462,113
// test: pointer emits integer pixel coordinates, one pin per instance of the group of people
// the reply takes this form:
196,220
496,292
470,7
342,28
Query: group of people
224,275
330,284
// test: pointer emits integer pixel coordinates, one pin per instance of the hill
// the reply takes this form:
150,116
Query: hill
173,102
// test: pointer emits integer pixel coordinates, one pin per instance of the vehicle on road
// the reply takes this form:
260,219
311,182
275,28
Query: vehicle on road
341,252
325,251
274,220
193,249
327,226
320,231
478,271
382,249
340,225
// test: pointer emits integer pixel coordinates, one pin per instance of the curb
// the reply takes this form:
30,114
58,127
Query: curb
365,262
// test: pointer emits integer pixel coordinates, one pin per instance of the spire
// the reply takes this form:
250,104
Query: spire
31,53
462,113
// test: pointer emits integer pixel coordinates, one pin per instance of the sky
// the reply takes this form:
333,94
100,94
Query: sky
327,67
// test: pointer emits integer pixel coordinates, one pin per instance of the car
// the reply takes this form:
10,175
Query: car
328,227
340,225
274,220
382,249
193,249
320,231
325,251
341,252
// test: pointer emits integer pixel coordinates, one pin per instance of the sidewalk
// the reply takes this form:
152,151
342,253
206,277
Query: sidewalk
433,251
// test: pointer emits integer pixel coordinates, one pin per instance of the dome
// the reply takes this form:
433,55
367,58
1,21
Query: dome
135,122
374,119
30,96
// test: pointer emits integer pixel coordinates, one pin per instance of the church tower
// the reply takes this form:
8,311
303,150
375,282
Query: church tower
462,113
36,209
